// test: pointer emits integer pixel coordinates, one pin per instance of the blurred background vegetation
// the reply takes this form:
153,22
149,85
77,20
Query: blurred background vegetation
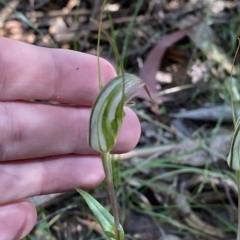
176,184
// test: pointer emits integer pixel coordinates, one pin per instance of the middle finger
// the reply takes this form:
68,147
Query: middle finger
33,130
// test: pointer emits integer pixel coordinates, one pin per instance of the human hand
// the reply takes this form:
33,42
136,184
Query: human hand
43,147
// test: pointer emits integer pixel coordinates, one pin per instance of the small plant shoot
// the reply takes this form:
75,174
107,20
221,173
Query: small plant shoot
234,154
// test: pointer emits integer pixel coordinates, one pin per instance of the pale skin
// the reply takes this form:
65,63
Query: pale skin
43,148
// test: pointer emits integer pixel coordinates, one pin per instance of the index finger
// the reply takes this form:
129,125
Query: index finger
31,72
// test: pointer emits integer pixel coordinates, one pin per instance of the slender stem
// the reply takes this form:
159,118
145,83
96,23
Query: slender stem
107,164
238,184
98,45
231,90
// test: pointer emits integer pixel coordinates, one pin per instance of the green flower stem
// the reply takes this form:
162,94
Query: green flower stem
238,184
107,164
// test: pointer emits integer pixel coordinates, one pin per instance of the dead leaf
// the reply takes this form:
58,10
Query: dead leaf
207,114
170,237
92,225
45,200
190,151
204,39
154,58
195,222
187,214
7,10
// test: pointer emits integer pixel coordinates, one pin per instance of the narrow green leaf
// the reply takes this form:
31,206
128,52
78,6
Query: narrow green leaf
104,218
234,154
